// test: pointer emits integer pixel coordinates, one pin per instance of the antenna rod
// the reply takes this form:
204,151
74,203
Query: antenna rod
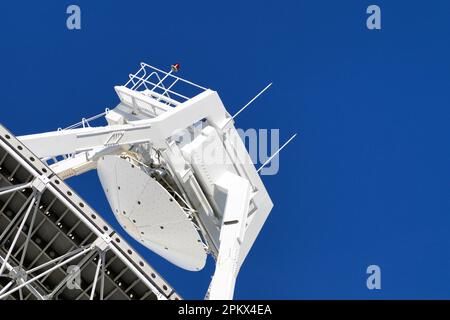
248,103
277,152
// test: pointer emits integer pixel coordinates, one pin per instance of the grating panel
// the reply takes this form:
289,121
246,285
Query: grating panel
56,246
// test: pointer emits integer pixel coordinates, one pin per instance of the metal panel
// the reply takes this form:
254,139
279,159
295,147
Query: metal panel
51,238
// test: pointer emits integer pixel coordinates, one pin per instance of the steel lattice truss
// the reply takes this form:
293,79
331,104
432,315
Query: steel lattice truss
54,246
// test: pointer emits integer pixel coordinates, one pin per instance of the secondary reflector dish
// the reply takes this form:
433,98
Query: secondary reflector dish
150,214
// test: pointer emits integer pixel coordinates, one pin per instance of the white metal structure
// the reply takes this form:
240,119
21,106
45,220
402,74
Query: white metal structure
174,170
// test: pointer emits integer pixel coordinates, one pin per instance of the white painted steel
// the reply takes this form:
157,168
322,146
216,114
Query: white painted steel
152,113
150,214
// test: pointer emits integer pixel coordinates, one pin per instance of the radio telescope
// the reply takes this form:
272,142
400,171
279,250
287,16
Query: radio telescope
178,179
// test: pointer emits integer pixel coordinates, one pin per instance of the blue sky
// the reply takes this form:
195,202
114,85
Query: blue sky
365,182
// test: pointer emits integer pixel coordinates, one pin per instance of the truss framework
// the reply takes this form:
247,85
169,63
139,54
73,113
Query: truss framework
54,246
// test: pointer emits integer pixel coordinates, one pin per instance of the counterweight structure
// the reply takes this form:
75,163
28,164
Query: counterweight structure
177,177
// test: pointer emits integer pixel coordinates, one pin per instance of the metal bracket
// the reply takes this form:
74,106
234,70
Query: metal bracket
102,242
39,183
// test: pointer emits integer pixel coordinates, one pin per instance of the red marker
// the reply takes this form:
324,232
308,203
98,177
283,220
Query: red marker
175,67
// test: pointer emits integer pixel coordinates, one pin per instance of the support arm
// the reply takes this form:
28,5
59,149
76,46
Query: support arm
83,161
237,193
206,105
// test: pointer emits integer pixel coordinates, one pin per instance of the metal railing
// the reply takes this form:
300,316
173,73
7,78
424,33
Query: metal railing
85,121
160,84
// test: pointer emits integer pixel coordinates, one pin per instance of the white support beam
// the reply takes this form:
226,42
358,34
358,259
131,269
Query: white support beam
237,192
206,105
13,188
83,161
97,271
